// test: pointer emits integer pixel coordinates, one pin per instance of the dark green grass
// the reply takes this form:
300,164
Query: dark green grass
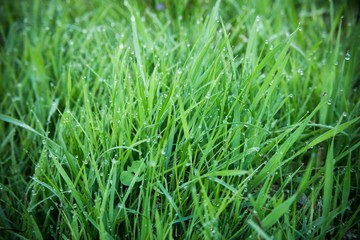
185,120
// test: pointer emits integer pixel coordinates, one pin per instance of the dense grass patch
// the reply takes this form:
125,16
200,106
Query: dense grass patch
179,119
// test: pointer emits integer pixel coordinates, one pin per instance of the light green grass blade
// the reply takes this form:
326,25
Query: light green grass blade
18,123
278,212
328,186
331,133
259,230
172,203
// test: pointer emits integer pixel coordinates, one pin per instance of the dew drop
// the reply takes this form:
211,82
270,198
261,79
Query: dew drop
300,72
329,102
299,27
344,114
347,56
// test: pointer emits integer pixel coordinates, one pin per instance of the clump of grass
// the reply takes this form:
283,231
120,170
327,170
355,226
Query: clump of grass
190,120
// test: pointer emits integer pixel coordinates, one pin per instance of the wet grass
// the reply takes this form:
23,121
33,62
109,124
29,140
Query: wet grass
183,119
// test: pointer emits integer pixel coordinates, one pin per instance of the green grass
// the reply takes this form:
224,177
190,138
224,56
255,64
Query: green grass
186,120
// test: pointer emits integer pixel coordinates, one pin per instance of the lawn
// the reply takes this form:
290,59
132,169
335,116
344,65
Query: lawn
179,119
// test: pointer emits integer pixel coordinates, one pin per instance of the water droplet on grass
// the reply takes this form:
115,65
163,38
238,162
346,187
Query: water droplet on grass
344,114
299,27
152,163
347,56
